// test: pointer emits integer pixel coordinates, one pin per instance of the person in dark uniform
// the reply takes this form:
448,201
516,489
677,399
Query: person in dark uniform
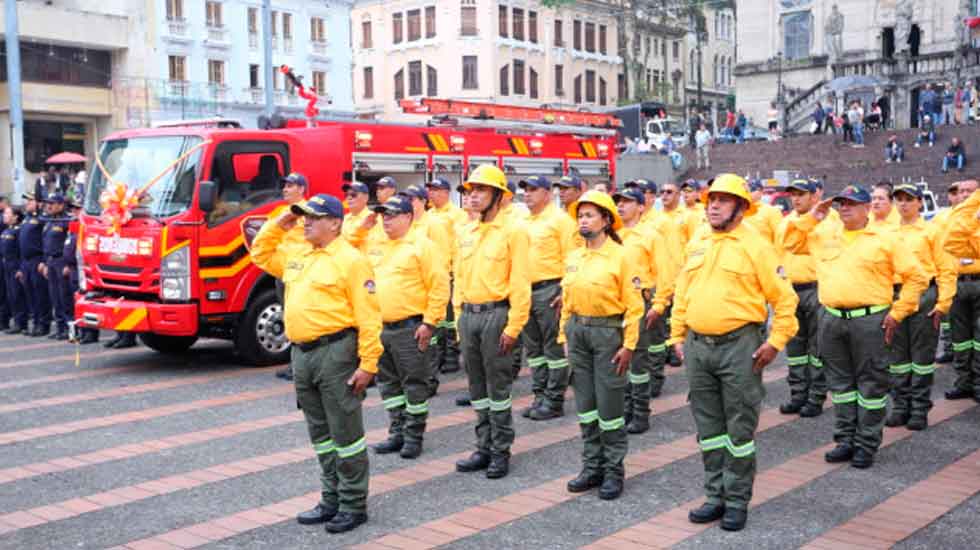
53,264
4,306
10,253
70,274
30,240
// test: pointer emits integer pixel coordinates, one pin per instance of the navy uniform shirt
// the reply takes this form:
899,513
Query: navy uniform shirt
30,237
55,233
9,246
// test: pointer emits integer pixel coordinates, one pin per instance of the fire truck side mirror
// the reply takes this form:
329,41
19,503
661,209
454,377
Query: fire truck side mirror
207,195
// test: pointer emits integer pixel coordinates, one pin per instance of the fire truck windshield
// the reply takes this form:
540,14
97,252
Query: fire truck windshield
136,161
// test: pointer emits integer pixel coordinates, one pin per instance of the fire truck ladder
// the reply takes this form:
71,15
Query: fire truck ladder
471,109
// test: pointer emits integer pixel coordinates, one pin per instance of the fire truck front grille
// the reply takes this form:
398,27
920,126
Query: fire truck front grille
120,269
120,282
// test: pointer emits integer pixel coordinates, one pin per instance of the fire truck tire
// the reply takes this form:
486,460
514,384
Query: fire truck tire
260,339
167,344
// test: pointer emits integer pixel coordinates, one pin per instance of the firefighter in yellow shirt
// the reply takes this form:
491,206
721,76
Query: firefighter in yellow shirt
493,292
883,213
649,191
768,218
369,228
333,319
356,195
600,317
294,188
445,344
719,329
857,265
914,344
570,188
647,251
945,352
965,313
551,239
807,381
413,290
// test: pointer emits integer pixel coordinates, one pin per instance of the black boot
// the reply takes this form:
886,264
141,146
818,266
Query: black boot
89,337
586,480
638,425
611,488
811,410
793,406
345,521
476,462
897,418
393,444
411,450
544,412
53,336
499,466
957,393
319,514
862,459
526,412
16,330
917,423
734,519
706,513
840,453
463,401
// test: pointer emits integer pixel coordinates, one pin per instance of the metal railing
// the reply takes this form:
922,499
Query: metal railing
216,33
177,26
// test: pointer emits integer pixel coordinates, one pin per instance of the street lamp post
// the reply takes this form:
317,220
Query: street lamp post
779,76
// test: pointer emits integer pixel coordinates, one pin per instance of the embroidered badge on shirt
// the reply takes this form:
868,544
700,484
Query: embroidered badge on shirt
369,285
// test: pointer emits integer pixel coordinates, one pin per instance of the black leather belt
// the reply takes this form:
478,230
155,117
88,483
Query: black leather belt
404,323
720,339
800,287
483,308
611,321
932,282
969,277
326,339
544,284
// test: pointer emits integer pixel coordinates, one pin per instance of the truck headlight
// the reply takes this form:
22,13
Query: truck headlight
175,275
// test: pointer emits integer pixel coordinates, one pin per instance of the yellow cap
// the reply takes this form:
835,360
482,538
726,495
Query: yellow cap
603,201
489,175
731,184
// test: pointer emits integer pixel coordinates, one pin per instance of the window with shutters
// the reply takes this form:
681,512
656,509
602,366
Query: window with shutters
431,81
318,29
177,71
399,84
368,82
677,51
414,78
414,25
559,39
578,89
532,26
396,28
366,42
518,22
467,15
470,78
797,28
504,80
319,82
216,72
253,20
253,76
532,83
502,20
576,35
621,85
213,13
430,21
274,28
590,86
287,25
559,80
175,9
518,77
602,91
590,37
602,39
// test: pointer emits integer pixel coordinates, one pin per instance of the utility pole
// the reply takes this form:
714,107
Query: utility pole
16,104
267,49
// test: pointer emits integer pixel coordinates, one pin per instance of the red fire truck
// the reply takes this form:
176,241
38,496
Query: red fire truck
179,269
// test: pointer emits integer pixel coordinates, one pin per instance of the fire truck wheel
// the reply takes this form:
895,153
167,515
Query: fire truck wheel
167,344
261,337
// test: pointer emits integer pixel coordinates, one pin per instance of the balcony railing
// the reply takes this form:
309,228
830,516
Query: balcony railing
468,31
287,44
177,26
255,95
320,47
177,88
216,33
218,92
253,40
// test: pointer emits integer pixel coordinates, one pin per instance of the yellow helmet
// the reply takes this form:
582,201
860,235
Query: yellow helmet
603,201
732,184
489,175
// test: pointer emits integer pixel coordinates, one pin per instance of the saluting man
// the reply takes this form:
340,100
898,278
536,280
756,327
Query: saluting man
493,292
719,330
552,238
413,290
857,264
333,319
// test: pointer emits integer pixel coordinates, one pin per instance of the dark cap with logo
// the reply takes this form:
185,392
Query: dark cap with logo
643,185
416,191
909,189
357,187
55,198
319,206
399,204
807,186
853,193
439,183
631,194
693,184
387,181
535,182
295,178
569,181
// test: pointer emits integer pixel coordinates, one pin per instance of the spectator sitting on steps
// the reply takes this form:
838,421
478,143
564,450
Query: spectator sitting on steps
894,150
927,132
954,154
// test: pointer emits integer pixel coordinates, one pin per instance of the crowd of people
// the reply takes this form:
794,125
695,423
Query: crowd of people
597,293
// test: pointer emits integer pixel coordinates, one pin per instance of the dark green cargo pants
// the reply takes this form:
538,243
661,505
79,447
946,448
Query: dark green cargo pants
912,363
856,359
726,396
444,355
807,381
545,356
403,374
646,374
965,328
333,418
490,378
599,392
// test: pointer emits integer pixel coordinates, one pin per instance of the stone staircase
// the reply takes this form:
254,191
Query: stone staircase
838,164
